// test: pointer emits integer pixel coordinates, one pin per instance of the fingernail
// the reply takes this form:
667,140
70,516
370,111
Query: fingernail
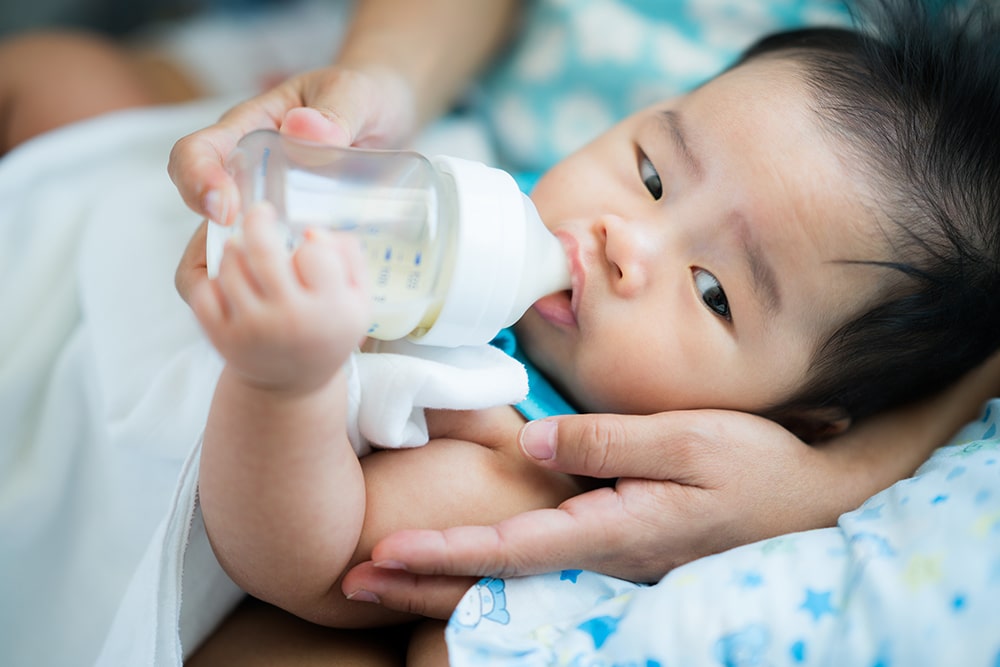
213,206
389,565
363,596
538,439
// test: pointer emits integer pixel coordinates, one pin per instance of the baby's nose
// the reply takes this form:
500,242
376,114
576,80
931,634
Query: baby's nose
627,248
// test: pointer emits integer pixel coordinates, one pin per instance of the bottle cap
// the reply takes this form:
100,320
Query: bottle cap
505,258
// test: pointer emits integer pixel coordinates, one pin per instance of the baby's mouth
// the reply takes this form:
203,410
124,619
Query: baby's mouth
557,308
571,296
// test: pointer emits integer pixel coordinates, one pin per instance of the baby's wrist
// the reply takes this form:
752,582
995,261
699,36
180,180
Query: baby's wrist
293,387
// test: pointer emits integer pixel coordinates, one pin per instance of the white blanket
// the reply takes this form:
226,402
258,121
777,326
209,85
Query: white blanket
105,379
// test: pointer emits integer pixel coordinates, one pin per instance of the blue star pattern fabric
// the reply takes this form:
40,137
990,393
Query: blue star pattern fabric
910,578
579,66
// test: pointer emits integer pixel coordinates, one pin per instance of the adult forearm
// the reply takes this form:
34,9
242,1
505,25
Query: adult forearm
437,46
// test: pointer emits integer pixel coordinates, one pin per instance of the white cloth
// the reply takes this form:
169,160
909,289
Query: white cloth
390,388
105,384
105,379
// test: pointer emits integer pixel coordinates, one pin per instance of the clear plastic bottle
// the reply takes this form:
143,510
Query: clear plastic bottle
455,251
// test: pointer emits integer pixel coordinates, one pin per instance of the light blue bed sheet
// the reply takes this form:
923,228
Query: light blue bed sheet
910,578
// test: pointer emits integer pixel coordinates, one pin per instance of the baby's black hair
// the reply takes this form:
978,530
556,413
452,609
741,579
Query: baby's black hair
914,95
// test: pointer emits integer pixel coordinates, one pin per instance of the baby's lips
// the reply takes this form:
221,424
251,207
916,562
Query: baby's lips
557,308
576,268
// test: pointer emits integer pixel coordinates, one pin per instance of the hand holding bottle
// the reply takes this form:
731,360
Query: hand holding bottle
455,251
285,322
396,70
337,106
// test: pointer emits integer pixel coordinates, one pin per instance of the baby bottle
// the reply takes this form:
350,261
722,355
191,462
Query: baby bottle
455,251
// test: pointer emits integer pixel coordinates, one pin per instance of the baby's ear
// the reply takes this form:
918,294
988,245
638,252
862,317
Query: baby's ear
817,424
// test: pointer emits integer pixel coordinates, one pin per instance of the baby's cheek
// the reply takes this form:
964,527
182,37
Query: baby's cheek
625,386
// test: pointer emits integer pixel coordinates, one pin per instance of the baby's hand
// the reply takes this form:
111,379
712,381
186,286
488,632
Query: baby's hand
285,322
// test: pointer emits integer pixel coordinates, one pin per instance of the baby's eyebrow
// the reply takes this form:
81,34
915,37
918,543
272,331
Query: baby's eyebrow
673,124
762,275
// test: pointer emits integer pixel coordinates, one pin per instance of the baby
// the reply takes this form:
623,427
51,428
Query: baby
800,237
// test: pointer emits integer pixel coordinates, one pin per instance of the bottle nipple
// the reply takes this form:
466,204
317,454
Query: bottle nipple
505,258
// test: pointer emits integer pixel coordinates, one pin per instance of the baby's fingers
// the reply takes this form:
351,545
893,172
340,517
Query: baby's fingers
266,247
327,259
209,306
235,281
332,268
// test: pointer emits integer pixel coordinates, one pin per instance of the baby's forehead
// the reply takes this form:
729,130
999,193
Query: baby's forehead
810,194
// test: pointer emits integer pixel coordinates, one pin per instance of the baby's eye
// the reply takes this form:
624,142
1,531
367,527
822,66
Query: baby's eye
712,294
647,172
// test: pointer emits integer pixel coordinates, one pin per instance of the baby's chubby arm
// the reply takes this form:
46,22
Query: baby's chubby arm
280,486
470,473
287,504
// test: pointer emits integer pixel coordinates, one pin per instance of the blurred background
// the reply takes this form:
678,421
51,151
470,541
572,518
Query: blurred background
112,17
223,47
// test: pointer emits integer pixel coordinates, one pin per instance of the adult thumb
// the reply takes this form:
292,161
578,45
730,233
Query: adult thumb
313,125
595,445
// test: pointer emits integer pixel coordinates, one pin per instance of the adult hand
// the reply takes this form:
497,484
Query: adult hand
713,480
334,105
401,64
710,480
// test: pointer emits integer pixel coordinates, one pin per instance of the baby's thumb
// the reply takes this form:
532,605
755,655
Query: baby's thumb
313,125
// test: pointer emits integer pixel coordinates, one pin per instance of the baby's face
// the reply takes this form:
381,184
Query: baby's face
705,235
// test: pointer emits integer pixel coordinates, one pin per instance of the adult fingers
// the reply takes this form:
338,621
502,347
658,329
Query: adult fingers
266,250
423,595
197,161
584,532
345,107
313,125
333,109
332,105
197,169
670,445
